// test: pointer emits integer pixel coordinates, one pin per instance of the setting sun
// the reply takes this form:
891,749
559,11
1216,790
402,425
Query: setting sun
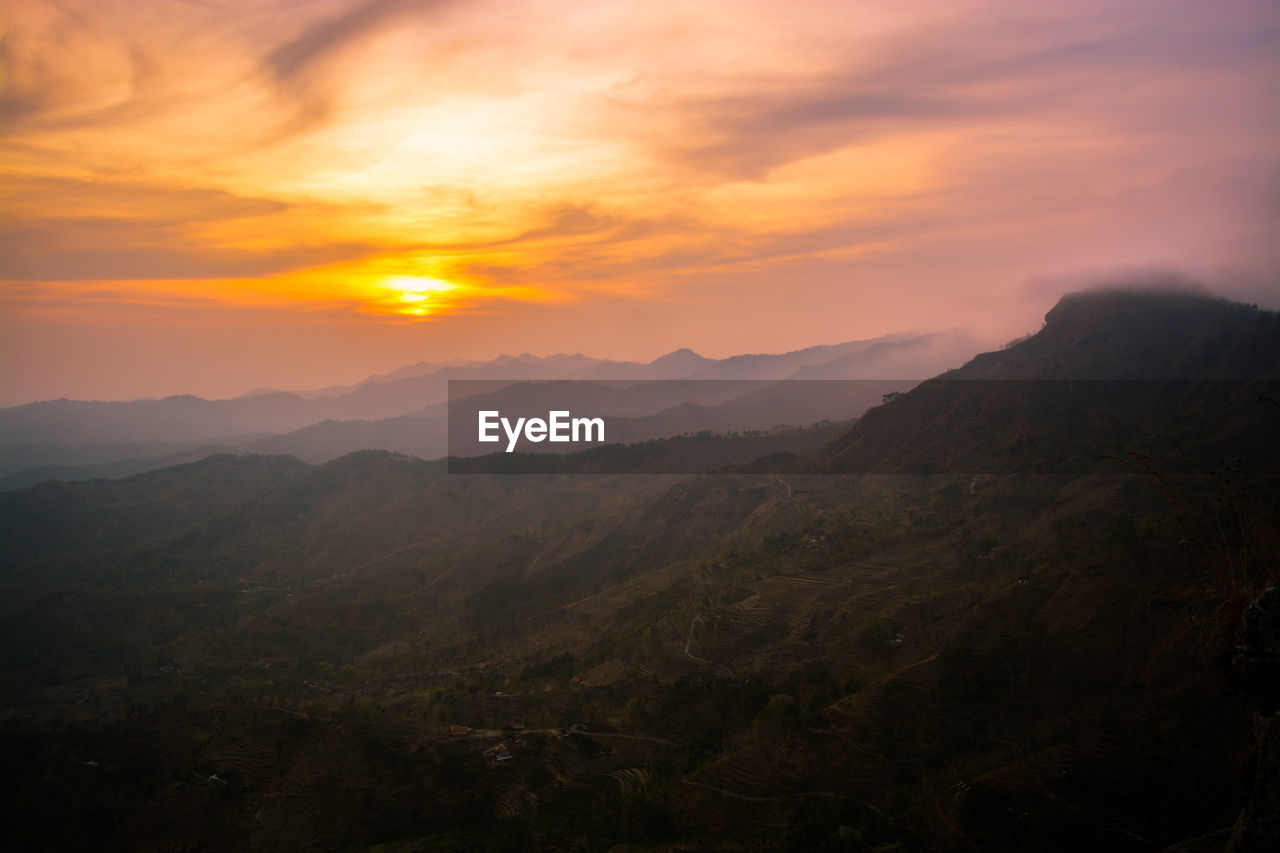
417,294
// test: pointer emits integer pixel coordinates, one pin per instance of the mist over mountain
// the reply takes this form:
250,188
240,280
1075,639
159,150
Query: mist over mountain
914,357
931,633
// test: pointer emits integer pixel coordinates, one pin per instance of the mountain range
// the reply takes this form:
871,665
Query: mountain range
405,411
999,610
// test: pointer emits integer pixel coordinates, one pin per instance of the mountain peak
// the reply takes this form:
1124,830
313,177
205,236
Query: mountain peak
683,352
683,359
1128,301
1141,331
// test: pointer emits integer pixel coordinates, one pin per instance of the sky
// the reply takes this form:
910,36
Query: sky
215,196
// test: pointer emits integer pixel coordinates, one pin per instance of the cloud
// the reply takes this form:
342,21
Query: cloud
1106,64
295,67
325,38
72,198
62,229
840,154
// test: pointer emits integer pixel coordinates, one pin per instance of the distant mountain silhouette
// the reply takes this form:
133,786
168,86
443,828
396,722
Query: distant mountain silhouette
383,412
784,365
681,362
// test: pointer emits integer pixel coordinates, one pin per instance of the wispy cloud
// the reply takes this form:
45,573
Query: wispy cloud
329,36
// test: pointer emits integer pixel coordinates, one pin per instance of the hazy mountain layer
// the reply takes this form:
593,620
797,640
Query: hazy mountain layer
80,440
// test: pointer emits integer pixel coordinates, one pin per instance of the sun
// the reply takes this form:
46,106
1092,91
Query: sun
416,293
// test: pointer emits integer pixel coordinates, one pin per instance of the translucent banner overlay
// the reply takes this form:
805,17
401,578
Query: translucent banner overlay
981,428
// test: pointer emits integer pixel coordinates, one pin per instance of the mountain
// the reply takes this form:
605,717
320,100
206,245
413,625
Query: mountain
54,438
678,363
418,435
1147,371
118,466
869,652
787,364
89,455
1141,334
101,516
635,411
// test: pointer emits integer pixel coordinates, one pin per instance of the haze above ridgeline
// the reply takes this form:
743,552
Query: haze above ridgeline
67,439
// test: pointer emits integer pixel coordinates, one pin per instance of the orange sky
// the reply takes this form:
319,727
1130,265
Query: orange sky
212,197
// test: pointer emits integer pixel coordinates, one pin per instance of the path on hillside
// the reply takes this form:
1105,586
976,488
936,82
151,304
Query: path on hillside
775,798
648,738
689,654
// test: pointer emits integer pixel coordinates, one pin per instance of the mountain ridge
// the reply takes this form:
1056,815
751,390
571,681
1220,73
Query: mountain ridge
189,419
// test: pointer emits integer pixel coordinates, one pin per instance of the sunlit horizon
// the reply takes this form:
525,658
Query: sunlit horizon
209,197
